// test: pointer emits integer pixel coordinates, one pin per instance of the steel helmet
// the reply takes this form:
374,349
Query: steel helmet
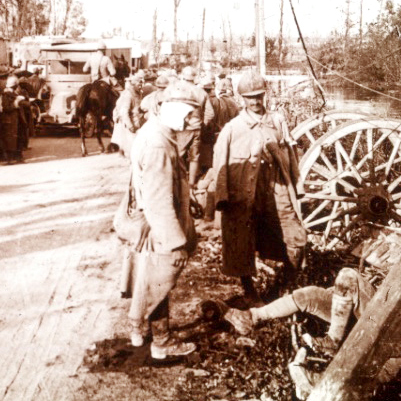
162,82
101,45
188,73
179,92
12,81
251,84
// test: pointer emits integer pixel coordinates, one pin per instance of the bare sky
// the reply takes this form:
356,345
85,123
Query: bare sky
314,16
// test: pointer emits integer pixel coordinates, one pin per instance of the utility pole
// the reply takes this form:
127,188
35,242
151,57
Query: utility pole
360,26
260,36
280,36
154,38
202,40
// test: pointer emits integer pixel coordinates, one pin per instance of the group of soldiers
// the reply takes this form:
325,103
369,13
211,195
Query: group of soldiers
191,130
176,130
16,119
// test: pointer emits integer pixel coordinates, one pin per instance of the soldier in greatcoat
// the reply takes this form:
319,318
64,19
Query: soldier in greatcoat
127,115
223,113
160,200
12,122
257,185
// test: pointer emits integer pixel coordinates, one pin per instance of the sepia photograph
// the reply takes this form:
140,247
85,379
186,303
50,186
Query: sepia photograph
149,150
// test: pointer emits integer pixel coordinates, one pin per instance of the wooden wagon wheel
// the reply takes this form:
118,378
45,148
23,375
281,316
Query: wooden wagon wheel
352,178
310,130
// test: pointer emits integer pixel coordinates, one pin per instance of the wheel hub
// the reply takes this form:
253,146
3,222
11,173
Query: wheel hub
374,203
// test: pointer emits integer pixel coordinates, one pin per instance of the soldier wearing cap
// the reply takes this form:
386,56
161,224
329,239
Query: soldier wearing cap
189,139
13,125
127,115
257,186
149,85
160,202
101,66
150,104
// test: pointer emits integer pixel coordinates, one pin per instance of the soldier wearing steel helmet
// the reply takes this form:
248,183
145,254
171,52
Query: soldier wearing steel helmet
160,207
257,185
101,66
150,104
189,139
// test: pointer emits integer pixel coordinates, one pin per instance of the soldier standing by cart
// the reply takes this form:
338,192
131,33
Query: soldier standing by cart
256,179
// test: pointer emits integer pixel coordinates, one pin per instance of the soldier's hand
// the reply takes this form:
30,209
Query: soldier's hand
180,258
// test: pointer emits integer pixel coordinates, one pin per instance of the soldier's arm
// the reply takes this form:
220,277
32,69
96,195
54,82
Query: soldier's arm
209,112
87,65
110,67
124,103
221,153
157,193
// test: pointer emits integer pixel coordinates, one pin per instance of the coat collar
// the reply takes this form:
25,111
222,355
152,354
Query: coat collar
251,119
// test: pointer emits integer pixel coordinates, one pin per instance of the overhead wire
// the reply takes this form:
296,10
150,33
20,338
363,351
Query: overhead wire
354,82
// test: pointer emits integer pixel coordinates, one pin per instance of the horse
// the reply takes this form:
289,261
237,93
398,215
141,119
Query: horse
122,68
94,107
95,104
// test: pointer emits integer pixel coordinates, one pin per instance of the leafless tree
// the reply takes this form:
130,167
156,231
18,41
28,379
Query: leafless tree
176,5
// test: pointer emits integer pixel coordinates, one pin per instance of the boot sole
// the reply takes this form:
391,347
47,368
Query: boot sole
159,354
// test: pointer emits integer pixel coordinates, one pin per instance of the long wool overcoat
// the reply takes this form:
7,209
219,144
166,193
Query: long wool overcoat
257,185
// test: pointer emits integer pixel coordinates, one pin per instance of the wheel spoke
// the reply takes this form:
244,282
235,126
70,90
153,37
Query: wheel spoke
340,167
327,161
320,208
355,145
343,233
394,185
330,223
310,136
331,197
346,220
392,156
385,135
396,197
346,184
322,170
349,162
395,216
332,217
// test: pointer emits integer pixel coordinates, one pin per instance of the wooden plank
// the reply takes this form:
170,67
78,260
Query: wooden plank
376,337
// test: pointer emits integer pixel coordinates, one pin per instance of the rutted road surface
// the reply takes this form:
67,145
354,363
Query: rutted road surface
59,271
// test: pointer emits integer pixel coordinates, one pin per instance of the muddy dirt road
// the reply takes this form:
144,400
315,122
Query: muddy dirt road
59,273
